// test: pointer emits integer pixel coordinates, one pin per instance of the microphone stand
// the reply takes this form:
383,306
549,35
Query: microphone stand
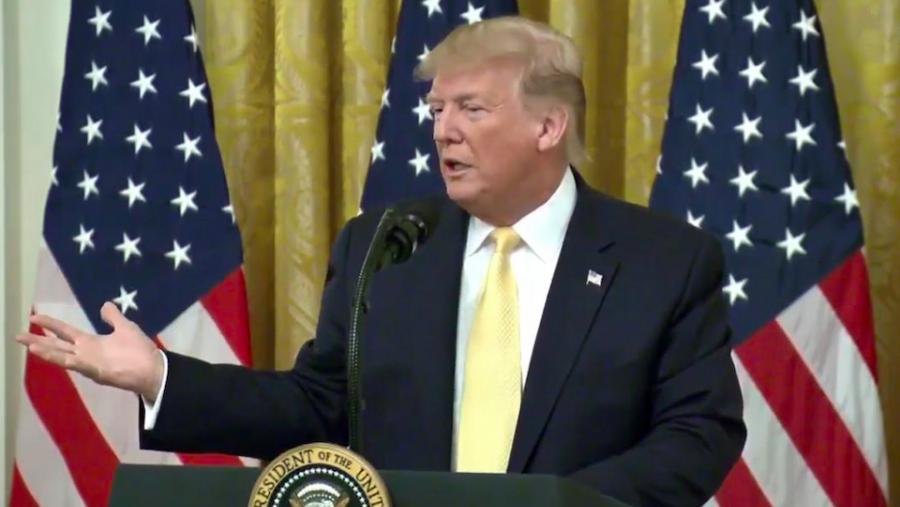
374,260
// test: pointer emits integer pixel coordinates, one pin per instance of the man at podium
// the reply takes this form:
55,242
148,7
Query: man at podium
543,328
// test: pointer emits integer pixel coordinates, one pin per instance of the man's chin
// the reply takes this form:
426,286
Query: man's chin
461,193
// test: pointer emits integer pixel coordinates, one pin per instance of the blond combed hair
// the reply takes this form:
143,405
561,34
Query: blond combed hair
552,65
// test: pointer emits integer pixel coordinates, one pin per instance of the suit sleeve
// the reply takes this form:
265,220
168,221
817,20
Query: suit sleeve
235,410
696,431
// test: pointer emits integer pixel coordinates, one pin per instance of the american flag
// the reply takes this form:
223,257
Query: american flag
137,213
404,161
752,152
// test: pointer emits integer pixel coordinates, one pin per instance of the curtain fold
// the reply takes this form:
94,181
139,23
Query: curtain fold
238,48
297,88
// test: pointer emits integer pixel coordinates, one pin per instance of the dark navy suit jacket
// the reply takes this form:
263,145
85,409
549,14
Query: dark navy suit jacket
631,388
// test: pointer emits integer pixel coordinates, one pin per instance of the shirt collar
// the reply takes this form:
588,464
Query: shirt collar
543,230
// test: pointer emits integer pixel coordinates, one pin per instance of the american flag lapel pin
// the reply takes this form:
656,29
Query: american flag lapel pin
594,278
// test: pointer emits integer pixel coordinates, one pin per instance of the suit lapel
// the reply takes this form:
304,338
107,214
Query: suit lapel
422,313
584,273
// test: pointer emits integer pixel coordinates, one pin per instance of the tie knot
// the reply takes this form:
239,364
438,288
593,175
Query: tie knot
506,239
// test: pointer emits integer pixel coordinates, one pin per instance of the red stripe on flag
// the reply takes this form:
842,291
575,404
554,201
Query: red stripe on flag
88,456
740,488
210,460
20,495
809,418
847,289
227,305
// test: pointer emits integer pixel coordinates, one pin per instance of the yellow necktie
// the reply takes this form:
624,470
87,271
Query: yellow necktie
492,389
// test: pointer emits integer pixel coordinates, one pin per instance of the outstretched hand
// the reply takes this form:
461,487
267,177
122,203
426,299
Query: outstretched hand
125,358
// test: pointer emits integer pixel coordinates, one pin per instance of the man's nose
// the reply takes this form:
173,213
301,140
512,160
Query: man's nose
445,130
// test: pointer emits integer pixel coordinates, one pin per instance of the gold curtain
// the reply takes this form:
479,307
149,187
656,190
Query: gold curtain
297,87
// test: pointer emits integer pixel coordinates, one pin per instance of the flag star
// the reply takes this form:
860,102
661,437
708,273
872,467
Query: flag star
842,145
92,129
739,236
178,254
194,93
128,247
432,6
757,17
701,119
797,190
229,209
806,25
149,30
804,80
385,98
126,300
424,54
735,289
89,185
744,181
101,20
802,135
848,198
97,76
420,162
706,65
754,73
749,128
659,164
189,147
695,221
472,15
53,181
713,10
184,201
377,151
84,239
192,38
58,124
144,83
792,244
423,111
140,139
133,193
696,173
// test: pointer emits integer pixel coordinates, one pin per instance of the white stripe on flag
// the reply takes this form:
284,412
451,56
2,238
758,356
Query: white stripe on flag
43,469
771,456
840,370
194,333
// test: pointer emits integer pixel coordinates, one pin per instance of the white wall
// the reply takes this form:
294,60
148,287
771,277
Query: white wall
3,476
33,44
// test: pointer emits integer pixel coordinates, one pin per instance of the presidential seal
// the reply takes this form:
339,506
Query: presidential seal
319,475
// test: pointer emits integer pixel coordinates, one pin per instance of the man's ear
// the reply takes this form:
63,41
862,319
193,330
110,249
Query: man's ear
553,126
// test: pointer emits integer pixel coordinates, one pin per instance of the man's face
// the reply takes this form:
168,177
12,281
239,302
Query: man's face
485,137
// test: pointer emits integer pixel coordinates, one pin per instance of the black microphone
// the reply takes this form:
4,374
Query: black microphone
410,229
397,237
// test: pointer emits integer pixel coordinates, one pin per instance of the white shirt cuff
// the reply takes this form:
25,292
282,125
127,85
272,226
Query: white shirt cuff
150,412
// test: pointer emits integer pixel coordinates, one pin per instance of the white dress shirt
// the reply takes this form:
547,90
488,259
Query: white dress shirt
533,263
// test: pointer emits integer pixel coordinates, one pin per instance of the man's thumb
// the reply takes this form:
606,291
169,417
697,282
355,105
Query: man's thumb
111,315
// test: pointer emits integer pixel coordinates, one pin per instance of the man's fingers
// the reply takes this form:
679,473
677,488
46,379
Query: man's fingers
50,354
62,330
47,342
111,315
